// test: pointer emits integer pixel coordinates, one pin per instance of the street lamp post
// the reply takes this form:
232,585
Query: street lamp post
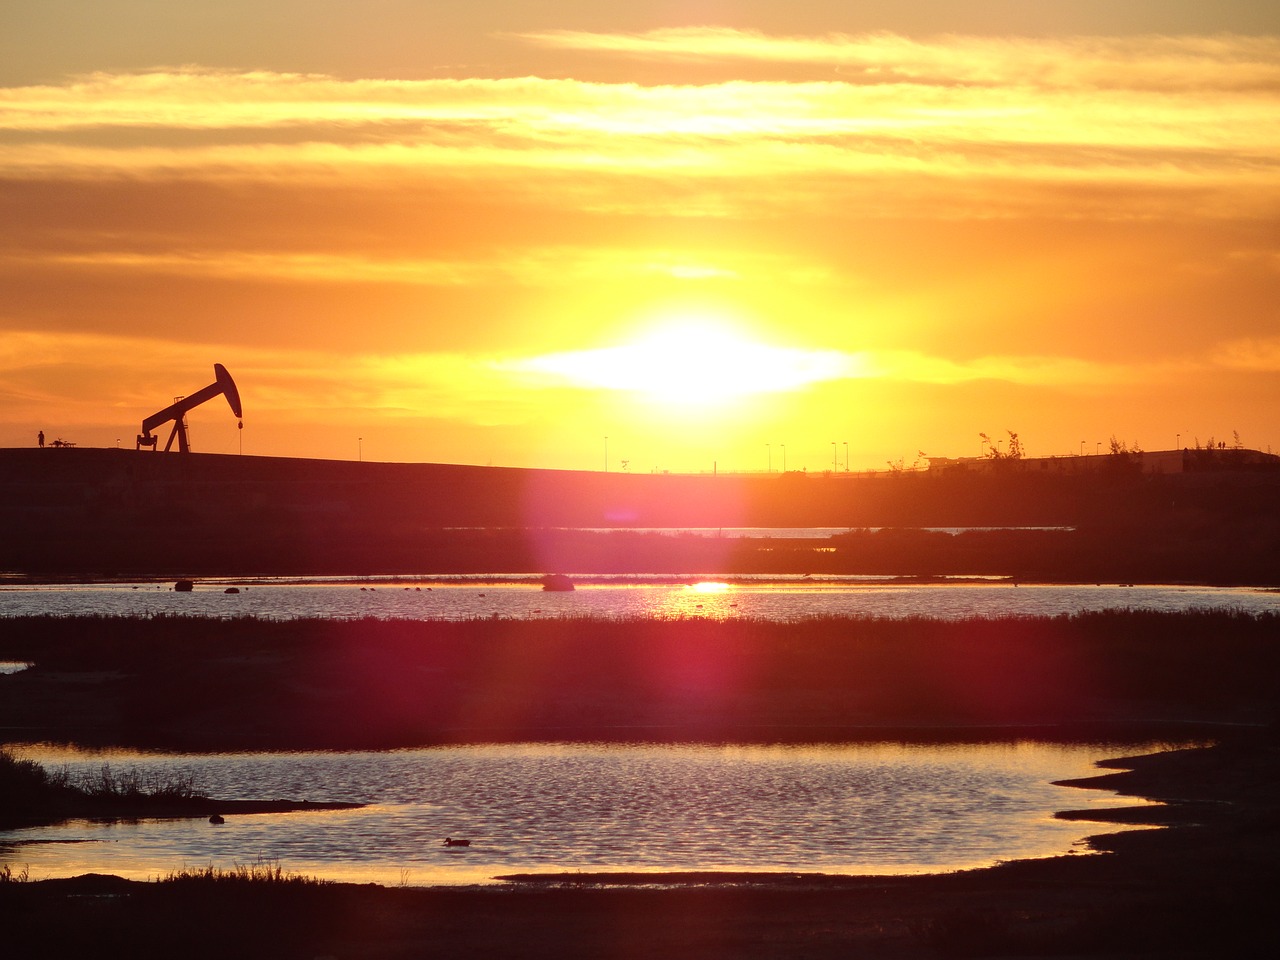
846,456
835,458
360,448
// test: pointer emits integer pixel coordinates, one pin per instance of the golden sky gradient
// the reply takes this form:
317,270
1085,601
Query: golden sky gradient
499,232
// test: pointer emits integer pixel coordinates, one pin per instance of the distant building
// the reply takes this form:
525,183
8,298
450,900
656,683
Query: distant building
1186,460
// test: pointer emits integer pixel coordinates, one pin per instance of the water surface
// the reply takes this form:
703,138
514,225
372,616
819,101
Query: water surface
840,809
767,598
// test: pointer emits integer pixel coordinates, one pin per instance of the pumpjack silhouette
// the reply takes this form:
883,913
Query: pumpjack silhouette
177,411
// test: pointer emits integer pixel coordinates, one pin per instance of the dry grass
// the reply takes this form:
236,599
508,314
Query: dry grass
9,875
260,873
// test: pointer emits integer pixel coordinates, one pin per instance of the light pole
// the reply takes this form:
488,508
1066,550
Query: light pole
360,448
1098,449
846,456
835,458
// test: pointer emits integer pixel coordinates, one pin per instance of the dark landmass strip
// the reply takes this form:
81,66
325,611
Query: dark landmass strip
83,513
206,684
1198,889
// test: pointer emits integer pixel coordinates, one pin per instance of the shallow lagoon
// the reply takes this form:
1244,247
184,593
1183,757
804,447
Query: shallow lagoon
850,808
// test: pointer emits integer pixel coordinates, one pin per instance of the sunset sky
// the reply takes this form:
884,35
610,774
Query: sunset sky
500,231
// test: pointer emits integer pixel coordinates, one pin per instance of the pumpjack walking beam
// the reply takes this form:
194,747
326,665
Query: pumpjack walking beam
177,412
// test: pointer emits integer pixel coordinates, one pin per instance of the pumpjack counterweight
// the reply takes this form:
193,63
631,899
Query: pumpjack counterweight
177,411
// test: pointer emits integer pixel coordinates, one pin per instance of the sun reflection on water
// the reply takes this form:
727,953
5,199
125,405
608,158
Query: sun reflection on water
713,599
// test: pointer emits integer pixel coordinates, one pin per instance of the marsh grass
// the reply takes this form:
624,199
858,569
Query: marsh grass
28,778
9,875
263,873
129,786
193,683
25,788
31,794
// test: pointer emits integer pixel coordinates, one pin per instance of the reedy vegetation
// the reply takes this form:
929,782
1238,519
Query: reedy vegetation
260,873
28,790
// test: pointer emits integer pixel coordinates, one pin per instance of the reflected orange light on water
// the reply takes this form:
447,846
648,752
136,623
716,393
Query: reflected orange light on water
706,598
538,807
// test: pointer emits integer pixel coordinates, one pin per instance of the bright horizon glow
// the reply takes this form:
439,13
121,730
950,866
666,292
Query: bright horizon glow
500,233
693,362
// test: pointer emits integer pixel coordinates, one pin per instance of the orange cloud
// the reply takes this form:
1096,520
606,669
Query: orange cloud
966,147
1142,62
528,266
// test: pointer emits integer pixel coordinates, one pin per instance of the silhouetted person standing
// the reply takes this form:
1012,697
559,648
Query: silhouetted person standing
40,437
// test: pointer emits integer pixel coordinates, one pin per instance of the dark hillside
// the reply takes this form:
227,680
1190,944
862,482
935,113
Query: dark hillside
85,512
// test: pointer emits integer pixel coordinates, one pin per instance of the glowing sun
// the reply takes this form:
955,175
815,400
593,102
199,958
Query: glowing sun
694,362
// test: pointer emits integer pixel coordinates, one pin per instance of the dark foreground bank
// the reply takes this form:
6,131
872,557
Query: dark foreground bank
201,684
1201,888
